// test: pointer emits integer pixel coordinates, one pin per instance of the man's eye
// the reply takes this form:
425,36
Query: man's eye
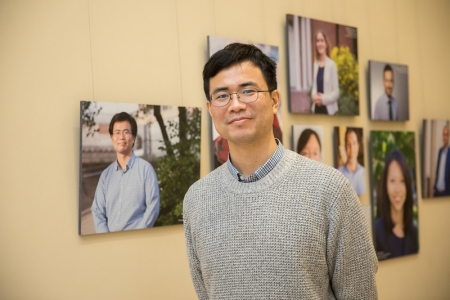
221,96
248,92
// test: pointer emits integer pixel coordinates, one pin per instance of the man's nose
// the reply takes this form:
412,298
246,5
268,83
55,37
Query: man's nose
235,102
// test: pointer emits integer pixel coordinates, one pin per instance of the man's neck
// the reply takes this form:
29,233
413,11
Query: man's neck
247,158
122,159
352,164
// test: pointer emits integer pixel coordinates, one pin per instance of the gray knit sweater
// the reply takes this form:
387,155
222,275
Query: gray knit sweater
298,233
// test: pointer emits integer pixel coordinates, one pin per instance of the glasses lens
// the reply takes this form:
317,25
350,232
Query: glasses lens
248,95
220,99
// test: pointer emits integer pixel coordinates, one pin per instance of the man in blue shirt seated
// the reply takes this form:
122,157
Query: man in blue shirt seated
354,172
127,194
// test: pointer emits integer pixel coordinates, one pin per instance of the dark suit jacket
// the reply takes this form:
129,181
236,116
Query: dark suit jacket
446,175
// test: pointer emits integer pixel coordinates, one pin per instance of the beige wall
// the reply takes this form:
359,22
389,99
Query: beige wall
55,53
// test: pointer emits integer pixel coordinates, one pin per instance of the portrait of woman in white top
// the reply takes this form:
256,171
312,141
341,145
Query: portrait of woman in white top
325,86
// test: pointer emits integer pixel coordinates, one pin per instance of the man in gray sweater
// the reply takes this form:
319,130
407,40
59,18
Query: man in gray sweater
269,223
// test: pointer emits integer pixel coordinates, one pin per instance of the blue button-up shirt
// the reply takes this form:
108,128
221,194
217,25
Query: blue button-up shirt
357,178
262,171
126,199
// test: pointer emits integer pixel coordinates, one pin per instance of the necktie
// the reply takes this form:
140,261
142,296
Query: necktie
390,109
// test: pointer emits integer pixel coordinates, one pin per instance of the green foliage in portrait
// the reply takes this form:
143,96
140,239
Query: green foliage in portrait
383,142
180,167
348,75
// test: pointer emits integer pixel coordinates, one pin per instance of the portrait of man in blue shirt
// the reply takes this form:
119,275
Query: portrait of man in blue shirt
352,169
127,194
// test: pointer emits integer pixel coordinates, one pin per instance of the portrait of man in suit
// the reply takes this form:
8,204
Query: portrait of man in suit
442,184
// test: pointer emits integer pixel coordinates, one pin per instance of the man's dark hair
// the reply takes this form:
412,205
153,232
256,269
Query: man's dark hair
238,53
304,138
123,116
383,199
387,68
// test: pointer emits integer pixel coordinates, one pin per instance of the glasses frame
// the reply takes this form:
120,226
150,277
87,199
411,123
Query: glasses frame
237,96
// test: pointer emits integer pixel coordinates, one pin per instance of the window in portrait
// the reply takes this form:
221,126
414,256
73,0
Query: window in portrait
394,196
136,163
308,141
220,145
323,67
349,156
388,89
436,158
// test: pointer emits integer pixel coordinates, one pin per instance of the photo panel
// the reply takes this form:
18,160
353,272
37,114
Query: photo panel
394,194
436,158
220,147
349,156
389,92
308,140
323,67
137,161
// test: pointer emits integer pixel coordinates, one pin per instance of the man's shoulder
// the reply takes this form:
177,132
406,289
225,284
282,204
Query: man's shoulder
210,180
360,169
381,98
110,168
318,170
139,161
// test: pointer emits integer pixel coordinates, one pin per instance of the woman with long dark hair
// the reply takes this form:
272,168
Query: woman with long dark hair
395,229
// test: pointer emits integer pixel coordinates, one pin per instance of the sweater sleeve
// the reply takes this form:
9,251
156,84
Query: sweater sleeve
194,263
351,259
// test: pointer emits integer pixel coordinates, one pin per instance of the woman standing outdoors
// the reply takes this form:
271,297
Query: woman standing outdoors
325,89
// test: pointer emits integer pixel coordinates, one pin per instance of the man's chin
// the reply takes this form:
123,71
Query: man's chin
124,152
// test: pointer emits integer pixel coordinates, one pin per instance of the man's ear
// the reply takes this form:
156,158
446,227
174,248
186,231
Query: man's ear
208,106
275,97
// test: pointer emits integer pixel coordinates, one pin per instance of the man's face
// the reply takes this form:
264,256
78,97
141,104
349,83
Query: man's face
238,122
122,138
352,146
388,80
445,136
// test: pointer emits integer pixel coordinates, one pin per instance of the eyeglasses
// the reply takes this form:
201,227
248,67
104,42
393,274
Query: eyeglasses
119,134
222,98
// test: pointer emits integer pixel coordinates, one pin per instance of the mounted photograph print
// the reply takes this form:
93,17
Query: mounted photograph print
219,144
394,194
349,156
307,140
323,67
136,163
388,89
436,158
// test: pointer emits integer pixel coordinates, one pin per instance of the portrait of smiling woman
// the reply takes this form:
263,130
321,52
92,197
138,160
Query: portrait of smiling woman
395,228
325,88
308,141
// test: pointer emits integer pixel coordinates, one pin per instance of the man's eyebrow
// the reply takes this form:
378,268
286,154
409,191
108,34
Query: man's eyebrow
219,89
248,83
242,85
